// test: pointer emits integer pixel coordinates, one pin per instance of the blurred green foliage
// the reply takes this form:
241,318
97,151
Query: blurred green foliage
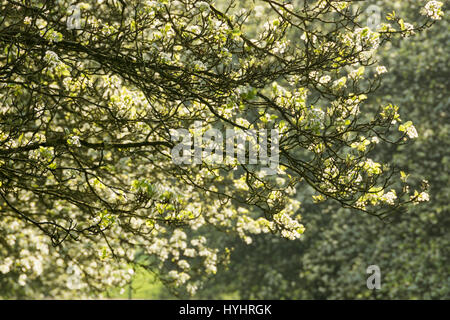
144,285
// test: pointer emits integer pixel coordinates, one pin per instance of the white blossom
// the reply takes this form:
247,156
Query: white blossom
433,10
75,141
411,132
22,279
325,79
381,69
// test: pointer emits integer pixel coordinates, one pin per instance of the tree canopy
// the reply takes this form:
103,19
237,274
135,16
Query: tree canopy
330,261
93,100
